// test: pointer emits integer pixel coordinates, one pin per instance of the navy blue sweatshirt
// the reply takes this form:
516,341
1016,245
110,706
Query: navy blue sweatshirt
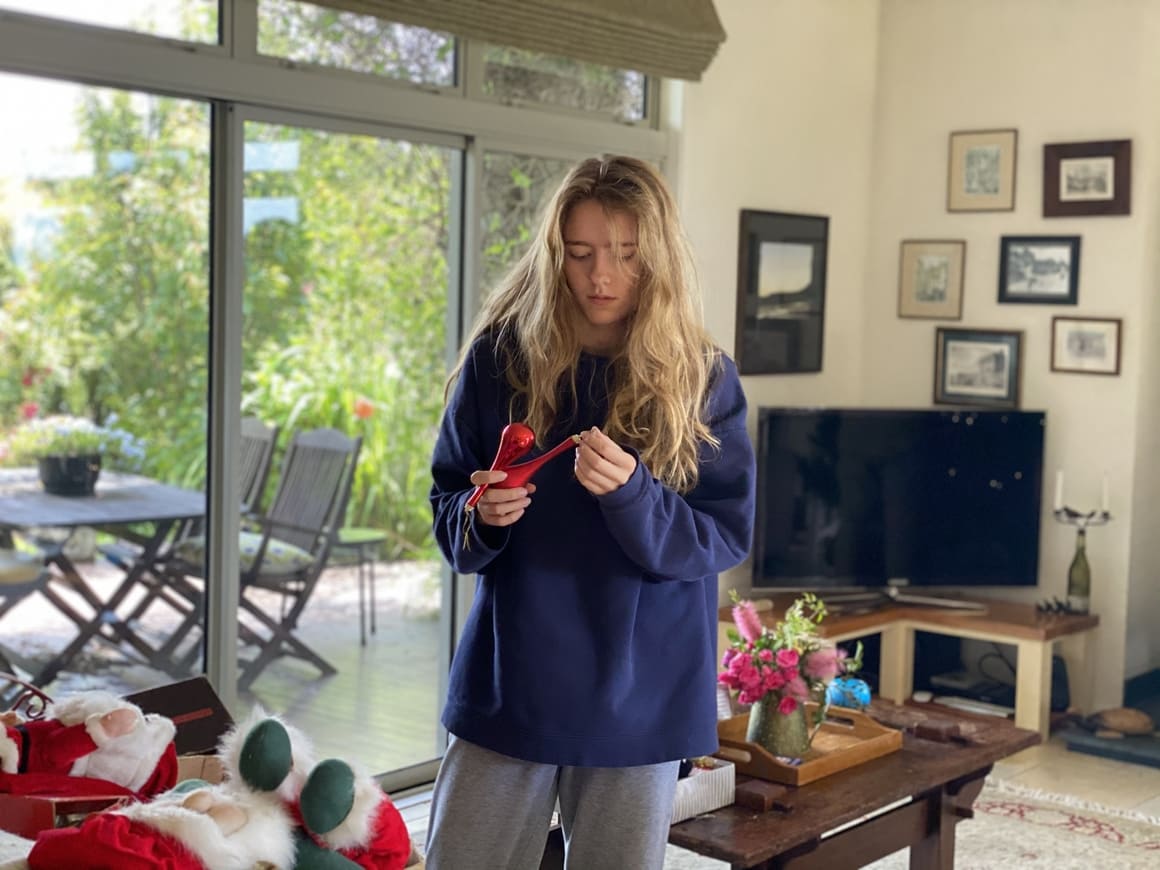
592,638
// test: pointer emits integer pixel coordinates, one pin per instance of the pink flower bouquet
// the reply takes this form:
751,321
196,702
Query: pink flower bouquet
790,661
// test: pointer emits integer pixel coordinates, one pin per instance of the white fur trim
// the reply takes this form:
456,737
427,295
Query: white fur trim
301,753
358,826
80,707
267,835
130,759
9,753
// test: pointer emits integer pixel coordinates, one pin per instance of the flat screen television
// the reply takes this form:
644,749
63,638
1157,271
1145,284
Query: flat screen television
866,499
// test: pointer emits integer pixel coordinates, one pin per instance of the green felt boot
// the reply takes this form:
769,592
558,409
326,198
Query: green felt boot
265,759
327,796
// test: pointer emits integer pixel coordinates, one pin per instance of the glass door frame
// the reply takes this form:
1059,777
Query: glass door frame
226,294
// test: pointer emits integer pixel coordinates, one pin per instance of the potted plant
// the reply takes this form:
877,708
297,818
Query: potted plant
70,451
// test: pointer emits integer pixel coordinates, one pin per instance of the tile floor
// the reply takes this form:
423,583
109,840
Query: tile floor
1052,768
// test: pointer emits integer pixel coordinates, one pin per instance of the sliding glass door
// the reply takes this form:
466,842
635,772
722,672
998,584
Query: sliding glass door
351,240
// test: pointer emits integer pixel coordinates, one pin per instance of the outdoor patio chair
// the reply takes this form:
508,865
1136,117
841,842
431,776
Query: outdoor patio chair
286,554
21,574
258,440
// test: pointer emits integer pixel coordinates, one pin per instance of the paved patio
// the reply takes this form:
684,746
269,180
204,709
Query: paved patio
380,708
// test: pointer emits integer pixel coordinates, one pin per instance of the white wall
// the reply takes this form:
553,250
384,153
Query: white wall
844,108
777,124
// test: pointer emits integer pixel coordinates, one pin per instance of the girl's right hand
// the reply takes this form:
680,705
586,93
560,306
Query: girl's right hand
500,507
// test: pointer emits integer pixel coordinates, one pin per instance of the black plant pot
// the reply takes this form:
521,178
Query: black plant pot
69,475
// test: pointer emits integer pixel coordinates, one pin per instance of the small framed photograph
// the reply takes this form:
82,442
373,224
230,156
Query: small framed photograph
930,278
1039,269
981,170
977,367
1086,345
1087,178
781,292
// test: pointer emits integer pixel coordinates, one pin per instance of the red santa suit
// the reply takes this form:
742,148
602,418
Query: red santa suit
175,831
70,752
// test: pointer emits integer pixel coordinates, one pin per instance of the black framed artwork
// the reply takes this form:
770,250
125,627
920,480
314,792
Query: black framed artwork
781,292
1040,270
980,367
1087,178
1086,345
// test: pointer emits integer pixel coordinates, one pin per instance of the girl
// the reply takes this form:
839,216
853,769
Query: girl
586,669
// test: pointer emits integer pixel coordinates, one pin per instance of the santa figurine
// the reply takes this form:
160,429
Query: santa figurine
219,827
345,820
92,743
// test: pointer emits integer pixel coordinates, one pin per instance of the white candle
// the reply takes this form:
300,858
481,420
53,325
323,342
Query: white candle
1059,490
1104,494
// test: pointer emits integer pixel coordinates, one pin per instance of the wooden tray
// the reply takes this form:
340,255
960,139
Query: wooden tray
845,739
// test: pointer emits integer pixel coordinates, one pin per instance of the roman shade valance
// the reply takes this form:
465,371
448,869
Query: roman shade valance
674,38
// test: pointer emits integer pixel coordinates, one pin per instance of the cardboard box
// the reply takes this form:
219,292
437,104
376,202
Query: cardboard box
27,815
199,714
705,789
201,720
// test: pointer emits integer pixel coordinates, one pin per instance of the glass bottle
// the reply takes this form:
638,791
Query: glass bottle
1079,575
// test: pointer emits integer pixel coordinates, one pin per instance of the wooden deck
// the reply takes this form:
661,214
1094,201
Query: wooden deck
379,710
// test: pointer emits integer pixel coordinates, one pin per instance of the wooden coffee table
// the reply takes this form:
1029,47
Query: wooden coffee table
912,797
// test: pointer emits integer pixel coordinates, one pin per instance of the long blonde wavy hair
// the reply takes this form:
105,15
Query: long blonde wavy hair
663,367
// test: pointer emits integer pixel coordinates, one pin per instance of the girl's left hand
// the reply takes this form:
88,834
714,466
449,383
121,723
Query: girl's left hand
602,465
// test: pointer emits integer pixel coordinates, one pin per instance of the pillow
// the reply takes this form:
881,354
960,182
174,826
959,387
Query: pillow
18,568
280,558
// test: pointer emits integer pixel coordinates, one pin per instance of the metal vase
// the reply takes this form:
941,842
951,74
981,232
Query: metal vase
781,734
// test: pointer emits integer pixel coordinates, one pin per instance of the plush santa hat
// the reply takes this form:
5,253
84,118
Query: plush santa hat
71,752
176,831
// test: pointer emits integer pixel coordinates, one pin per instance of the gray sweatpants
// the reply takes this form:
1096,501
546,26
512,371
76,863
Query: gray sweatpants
491,812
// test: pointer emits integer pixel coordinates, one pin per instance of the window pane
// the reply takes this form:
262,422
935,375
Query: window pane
527,76
308,33
104,316
515,187
346,304
191,20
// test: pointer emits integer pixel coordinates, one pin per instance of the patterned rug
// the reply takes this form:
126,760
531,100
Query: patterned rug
1021,828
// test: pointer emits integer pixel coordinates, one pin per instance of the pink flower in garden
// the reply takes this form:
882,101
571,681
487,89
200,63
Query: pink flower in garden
787,658
29,378
747,620
766,655
787,705
29,410
363,407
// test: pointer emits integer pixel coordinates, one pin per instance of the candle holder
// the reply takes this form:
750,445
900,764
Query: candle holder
1079,575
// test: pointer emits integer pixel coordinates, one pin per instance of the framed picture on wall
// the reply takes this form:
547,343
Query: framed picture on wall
981,170
930,278
977,367
1087,178
1086,345
1039,269
781,292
